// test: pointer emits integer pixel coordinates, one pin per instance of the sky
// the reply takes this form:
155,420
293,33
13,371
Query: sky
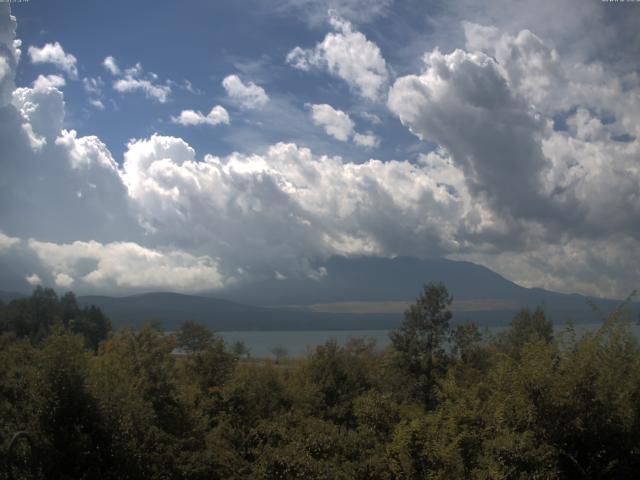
190,146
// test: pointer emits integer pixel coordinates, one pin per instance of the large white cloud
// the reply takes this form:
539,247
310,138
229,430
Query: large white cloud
580,31
463,103
117,267
347,54
53,183
54,53
538,73
288,206
126,267
247,95
556,190
592,177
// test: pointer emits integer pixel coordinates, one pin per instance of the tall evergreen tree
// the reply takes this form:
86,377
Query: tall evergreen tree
419,340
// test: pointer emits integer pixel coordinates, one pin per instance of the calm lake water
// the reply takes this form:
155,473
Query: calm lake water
299,343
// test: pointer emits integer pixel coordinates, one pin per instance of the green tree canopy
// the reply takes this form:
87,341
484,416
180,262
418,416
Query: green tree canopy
419,340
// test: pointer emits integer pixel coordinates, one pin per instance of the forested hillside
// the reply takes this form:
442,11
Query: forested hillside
440,402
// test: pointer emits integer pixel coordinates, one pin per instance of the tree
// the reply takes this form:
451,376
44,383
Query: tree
279,353
45,308
33,317
70,307
212,365
526,327
194,337
418,341
92,324
464,338
66,423
208,362
240,349
331,379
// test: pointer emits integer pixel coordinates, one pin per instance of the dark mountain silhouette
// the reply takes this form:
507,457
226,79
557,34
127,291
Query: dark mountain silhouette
355,294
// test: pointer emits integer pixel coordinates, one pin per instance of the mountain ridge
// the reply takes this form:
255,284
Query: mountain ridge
355,294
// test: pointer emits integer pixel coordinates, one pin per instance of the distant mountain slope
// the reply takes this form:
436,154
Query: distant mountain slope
369,279
376,279
355,294
171,309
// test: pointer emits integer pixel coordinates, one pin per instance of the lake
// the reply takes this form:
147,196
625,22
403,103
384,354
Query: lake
299,343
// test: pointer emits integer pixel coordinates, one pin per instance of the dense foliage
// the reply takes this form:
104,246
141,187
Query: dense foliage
439,403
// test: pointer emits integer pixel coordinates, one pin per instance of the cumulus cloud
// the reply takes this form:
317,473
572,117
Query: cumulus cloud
42,112
347,54
150,90
247,95
462,102
109,63
134,79
554,191
125,267
537,72
5,69
53,53
6,242
612,32
53,183
216,116
339,125
63,280
33,279
9,53
117,267
367,140
47,81
285,208
592,177
589,178
371,117
96,103
335,122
